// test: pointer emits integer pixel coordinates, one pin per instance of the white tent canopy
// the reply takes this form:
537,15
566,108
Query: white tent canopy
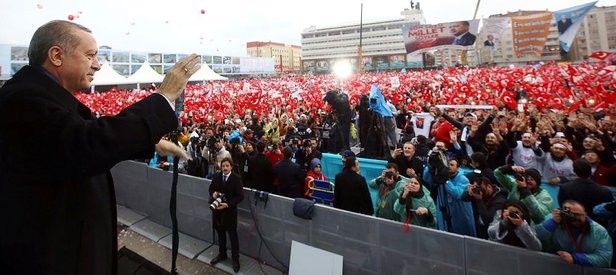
108,76
146,74
205,74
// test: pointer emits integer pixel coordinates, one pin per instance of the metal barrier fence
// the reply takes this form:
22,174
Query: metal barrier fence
369,245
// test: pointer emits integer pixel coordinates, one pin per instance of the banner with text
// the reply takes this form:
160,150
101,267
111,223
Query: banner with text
530,32
459,34
569,21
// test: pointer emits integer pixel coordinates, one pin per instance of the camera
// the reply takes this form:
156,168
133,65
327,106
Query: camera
567,216
519,177
216,203
514,214
477,190
389,175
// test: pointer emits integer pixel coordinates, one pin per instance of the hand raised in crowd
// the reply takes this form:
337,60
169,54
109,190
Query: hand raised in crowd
410,172
518,169
453,136
177,77
397,152
168,148
533,138
421,211
517,221
556,215
566,256
554,181
475,195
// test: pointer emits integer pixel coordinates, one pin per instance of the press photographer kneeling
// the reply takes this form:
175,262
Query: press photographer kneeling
226,192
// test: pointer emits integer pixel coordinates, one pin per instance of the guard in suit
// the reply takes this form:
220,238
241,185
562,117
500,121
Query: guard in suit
60,216
224,217
290,176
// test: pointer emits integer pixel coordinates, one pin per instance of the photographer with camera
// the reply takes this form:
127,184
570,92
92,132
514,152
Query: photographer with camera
226,192
523,184
215,154
512,226
576,238
487,199
389,185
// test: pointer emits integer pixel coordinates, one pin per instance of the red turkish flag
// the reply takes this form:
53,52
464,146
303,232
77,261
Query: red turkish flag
541,101
557,103
508,98
601,55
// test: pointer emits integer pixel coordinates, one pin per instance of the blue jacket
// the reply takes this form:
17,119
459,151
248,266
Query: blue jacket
596,244
449,204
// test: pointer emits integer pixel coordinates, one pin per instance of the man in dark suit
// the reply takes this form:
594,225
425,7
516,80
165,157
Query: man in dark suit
461,35
224,216
290,176
260,170
583,189
60,215
490,41
351,190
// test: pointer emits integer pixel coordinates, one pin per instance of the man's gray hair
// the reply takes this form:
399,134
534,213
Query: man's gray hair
54,33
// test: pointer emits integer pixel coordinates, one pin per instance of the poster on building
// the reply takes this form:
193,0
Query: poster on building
322,66
367,63
569,21
459,34
396,61
382,62
530,32
492,30
414,60
309,65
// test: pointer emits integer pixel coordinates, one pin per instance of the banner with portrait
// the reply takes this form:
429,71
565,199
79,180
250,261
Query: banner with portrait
530,32
493,28
459,34
569,21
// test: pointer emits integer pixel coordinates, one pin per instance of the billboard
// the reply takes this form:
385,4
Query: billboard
458,34
569,21
530,32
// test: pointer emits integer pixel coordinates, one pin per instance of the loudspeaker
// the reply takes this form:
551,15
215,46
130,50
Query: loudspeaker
131,263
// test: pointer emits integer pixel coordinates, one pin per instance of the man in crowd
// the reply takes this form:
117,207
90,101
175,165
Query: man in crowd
226,185
406,161
523,184
290,176
583,190
575,237
486,198
62,217
351,191
260,170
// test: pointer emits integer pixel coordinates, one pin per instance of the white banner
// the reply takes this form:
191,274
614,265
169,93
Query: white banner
495,27
476,107
395,81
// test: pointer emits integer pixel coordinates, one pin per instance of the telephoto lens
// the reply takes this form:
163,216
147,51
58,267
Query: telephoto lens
216,203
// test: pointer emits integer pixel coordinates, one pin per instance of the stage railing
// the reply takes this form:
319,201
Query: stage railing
369,245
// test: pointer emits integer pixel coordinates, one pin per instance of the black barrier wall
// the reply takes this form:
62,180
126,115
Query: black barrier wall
369,245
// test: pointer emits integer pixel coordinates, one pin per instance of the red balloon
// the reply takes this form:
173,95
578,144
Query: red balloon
71,17
202,11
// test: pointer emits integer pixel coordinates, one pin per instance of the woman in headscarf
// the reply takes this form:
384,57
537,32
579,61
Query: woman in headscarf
512,226
415,206
315,173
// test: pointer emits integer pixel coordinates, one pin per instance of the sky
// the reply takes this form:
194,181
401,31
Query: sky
179,26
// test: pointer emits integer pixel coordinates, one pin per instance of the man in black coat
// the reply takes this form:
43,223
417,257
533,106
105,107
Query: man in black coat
583,189
290,176
224,216
351,190
60,216
260,170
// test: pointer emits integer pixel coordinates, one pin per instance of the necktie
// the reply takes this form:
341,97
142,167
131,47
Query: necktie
225,177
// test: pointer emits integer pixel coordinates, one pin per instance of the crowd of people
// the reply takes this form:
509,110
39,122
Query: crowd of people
531,170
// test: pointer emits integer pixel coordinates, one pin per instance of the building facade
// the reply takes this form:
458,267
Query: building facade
382,44
287,58
597,33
